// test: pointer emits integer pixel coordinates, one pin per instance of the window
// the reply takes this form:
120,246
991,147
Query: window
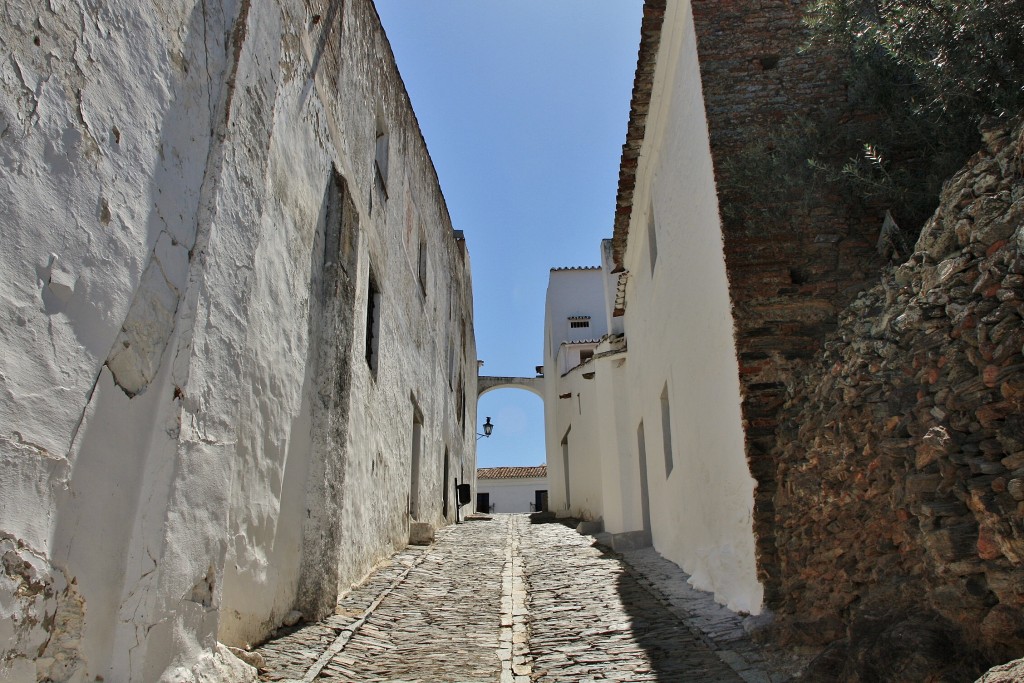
652,239
577,324
666,430
460,398
421,266
373,302
380,159
333,225
585,355
445,484
341,230
451,364
645,496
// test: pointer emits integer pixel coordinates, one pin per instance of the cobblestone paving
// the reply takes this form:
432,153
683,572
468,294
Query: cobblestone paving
590,620
722,629
430,615
507,601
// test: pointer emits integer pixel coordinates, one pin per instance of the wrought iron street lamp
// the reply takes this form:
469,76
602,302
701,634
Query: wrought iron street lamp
488,428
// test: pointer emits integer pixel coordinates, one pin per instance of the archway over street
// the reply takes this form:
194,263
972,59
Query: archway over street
512,474
532,384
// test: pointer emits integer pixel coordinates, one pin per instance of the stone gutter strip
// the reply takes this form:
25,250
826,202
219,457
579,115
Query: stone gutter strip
346,634
514,639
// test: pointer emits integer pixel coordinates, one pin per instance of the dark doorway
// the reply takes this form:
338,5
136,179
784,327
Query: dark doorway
483,502
540,502
565,465
417,452
645,496
444,484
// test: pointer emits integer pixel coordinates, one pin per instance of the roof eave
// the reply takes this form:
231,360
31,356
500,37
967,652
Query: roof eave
643,85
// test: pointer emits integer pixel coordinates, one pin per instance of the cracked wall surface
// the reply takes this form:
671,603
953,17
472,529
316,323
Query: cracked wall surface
192,443
41,619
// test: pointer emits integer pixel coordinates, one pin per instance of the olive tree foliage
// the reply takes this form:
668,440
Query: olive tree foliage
921,75
963,57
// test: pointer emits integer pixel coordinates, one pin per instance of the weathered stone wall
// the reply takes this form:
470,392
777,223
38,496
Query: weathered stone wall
901,455
192,443
792,271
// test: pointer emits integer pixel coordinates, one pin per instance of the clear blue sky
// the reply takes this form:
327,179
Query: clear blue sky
524,107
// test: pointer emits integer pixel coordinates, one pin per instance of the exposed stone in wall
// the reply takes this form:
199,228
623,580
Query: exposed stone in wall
1011,672
135,358
40,619
220,665
901,453
790,275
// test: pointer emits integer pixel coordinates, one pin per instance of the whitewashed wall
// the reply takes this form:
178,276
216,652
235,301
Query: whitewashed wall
678,340
191,444
572,292
512,495
679,328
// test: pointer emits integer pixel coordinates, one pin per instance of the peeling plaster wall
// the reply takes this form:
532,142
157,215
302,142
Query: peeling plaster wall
106,120
191,442
418,325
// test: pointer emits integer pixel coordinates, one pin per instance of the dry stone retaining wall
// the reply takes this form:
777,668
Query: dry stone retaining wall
901,453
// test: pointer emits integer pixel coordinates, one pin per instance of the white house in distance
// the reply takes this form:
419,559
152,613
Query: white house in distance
512,489
642,414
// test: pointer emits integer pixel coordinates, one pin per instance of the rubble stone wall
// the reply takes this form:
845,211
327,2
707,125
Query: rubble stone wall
901,452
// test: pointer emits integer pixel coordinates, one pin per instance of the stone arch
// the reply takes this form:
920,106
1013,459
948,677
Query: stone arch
516,421
534,385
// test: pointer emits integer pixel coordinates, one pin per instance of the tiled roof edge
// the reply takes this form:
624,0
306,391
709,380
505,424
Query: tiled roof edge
643,84
537,472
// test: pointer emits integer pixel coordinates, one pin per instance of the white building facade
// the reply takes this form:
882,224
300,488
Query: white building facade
647,434
512,489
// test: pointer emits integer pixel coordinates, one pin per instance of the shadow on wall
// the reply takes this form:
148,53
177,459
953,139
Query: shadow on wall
123,452
262,567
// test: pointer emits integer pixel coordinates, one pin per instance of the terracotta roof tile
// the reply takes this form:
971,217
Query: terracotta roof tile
512,472
650,40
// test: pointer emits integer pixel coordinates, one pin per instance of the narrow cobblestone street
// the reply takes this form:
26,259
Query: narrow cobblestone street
505,600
